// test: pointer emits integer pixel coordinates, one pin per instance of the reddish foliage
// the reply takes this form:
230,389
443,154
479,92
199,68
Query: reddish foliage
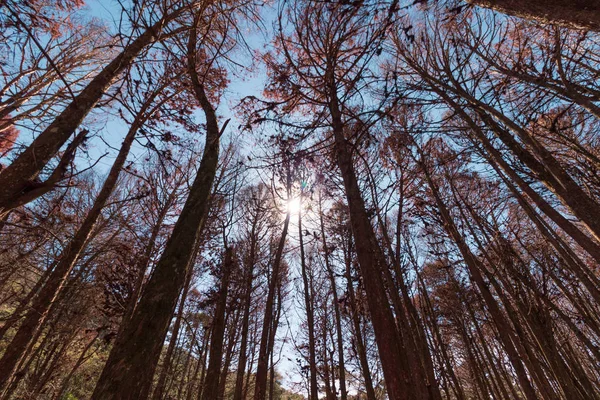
7,139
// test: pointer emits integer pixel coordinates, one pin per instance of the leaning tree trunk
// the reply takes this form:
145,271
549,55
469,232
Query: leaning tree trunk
399,379
48,293
578,14
17,179
499,319
133,358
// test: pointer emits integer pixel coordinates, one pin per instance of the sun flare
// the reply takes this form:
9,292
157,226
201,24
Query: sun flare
293,206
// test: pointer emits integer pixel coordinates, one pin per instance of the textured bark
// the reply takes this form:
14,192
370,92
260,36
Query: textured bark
578,14
132,361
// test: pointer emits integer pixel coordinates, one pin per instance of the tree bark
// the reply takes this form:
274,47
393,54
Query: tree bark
577,14
132,361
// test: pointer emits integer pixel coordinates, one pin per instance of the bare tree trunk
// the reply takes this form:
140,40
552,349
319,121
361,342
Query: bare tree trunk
159,390
231,344
243,353
394,362
360,347
24,302
260,388
500,321
336,307
47,295
578,14
80,361
211,381
132,361
17,179
310,320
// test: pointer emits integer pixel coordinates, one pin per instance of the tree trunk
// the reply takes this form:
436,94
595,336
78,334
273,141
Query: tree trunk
17,178
159,390
336,307
243,357
360,347
47,295
211,381
80,361
261,377
310,320
132,361
500,321
395,365
577,14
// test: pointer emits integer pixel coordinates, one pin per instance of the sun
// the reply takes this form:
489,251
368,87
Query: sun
293,206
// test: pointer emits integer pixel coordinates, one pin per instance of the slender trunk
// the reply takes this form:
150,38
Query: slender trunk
326,373
360,347
203,357
144,263
50,368
500,321
336,307
194,379
80,361
231,344
24,303
260,388
159,391
310,320
243,353
211,381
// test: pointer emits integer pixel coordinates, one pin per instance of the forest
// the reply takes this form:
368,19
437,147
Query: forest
299,199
